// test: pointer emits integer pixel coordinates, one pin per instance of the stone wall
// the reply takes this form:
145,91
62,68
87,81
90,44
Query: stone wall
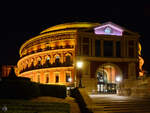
90,84
137,88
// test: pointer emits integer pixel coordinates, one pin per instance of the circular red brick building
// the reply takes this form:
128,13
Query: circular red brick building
108,51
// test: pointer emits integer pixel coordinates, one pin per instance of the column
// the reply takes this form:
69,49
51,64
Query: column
135,48
123,47
114,48
93,47
90,47
102,48
62,57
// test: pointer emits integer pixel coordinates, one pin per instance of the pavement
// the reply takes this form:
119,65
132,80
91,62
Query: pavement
111,103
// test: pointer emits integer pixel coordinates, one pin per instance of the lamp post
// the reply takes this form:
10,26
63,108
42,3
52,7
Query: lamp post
118,79
79,66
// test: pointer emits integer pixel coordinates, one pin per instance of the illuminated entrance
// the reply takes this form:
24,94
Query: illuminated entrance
106,78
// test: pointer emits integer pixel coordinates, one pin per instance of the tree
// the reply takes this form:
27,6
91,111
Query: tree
12,73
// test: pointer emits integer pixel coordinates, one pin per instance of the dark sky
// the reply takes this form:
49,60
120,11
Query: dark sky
22,21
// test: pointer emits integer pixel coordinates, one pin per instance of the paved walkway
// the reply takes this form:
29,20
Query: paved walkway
120,104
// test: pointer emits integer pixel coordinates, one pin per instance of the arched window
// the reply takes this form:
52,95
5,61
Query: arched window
38,63
57,60
47,62
48,58
68,60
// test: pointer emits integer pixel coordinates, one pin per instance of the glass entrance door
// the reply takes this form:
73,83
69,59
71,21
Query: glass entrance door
102,80
103,86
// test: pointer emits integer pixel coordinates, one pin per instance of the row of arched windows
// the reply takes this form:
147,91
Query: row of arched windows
39,49
47,62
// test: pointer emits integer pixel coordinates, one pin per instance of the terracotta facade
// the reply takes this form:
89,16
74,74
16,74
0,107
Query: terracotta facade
51,57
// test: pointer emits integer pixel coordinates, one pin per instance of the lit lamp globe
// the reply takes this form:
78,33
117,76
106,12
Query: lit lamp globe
79,64
70,79
118,79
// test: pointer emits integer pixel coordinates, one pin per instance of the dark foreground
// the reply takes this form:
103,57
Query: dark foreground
26,106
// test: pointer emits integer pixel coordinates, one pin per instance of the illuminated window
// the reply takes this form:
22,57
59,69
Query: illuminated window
68,77
57,60
56,77
48,58
38,78
47,78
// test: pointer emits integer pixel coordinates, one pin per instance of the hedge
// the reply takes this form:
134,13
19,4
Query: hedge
53,90
18,88
23,88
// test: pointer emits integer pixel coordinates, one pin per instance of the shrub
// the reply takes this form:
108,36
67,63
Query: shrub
23,88
18,88
53,90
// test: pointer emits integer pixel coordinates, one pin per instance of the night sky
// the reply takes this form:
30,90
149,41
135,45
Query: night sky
22,21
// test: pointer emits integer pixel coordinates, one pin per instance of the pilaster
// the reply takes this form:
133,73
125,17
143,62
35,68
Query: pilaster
114,48
102,48
93,47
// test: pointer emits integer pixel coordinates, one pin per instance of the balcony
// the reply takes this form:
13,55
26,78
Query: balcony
47,65
49,48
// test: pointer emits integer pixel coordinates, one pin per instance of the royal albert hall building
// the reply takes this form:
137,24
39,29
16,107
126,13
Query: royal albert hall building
106,50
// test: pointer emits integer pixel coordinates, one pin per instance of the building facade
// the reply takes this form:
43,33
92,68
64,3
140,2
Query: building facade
108,52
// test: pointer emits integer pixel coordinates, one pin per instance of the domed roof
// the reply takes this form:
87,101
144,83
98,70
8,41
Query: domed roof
70,25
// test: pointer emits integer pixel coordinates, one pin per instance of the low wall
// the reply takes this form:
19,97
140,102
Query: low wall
88,101
84,101
137,88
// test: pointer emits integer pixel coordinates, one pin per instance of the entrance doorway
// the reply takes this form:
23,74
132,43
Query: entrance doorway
106,78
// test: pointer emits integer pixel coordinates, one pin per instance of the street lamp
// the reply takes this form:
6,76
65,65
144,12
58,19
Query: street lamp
69,79
79,66
118,80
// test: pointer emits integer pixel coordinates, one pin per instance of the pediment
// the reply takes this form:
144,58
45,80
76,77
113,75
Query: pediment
109,28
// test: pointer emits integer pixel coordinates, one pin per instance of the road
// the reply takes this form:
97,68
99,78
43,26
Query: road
120,104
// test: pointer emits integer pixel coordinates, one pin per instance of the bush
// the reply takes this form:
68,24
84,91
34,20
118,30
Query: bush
53,90
15,78
18,88
23,88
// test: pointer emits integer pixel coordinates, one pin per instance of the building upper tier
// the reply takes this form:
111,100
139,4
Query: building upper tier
64,36
54,36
